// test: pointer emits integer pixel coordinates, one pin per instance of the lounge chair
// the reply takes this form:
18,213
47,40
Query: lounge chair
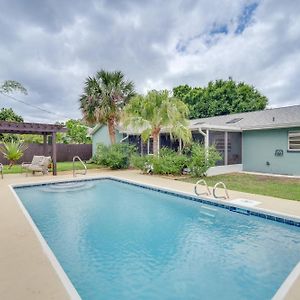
38,164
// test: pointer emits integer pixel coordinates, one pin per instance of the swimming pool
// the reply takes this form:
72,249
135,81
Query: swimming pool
116,240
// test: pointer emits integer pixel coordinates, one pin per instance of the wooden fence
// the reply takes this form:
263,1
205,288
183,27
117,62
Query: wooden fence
65,152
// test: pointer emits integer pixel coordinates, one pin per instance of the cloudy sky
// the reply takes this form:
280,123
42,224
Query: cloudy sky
51,46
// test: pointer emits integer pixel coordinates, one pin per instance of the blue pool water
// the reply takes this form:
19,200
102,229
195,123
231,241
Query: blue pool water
119,241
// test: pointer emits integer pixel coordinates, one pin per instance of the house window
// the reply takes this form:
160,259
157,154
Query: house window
294,140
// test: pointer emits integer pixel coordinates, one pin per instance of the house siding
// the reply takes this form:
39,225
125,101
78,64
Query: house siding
102,136
259,148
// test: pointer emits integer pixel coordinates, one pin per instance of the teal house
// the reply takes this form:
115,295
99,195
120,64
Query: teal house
100,134
266,141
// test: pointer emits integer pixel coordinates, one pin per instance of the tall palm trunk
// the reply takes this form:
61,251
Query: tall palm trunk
111,130
155,136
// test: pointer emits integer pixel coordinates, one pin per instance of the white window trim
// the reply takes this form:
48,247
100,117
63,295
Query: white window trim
289,134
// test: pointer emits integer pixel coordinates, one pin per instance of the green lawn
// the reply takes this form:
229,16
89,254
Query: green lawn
280,187
61,166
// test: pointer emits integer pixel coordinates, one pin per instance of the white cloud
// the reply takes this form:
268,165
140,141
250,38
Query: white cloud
52,48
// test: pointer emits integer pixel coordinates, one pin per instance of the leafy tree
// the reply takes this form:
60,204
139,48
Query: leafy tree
77,132
104,96
31,138
9,86
154,111
220,97
7,114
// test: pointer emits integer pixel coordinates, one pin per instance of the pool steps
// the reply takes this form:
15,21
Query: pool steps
67,187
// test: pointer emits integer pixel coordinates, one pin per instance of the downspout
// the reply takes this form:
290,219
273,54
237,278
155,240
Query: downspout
125,138
206,140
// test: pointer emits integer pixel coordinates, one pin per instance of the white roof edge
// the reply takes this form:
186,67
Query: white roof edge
95,129
215,127
272,126
212,127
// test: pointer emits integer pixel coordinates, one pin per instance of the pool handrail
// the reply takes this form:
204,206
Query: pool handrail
205,184
84,165
225,189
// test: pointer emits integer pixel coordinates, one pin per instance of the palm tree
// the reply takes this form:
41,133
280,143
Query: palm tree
154,111
103,98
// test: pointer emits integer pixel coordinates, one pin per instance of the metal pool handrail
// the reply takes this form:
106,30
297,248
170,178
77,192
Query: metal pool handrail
205,184
79,159
225,189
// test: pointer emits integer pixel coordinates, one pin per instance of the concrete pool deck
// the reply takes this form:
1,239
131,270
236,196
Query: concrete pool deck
26,272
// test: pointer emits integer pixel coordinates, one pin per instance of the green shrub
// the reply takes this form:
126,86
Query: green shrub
195,157
100,158
169,162
116,156
119,156
202,159
141,162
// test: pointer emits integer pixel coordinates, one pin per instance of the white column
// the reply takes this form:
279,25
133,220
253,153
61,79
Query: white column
226,148
206,141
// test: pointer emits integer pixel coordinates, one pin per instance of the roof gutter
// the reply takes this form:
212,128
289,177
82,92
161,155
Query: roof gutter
216,128
271,126
124,138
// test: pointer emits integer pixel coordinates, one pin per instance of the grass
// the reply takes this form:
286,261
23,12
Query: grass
61,166
280,187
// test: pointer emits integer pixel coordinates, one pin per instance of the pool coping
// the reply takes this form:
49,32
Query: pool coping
288,283
225,204
71,290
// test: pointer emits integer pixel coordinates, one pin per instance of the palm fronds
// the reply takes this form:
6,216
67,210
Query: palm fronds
12,151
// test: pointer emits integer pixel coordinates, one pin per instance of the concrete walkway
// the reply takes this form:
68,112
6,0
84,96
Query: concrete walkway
26,272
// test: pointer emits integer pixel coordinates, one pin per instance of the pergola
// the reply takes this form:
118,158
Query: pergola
35,128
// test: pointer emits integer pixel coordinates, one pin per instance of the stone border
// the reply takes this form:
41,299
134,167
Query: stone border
288,283
72,292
